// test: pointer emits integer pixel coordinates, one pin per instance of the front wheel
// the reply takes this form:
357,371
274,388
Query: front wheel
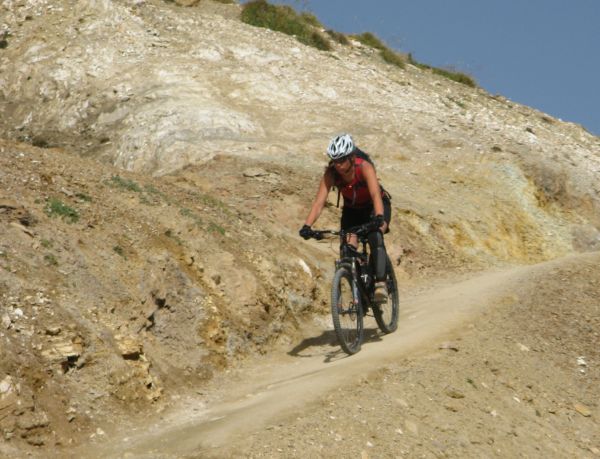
386,314
346,311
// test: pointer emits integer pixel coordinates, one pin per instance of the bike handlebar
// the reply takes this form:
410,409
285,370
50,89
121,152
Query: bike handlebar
360,231
320,234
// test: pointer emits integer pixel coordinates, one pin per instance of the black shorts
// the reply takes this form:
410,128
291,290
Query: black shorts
359,216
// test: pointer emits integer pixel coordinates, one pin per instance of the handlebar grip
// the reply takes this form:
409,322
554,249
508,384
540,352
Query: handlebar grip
319,234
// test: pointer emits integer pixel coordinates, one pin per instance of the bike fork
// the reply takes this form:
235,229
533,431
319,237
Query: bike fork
355,288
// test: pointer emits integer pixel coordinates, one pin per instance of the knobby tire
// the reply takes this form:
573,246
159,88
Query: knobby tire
346,311
386,314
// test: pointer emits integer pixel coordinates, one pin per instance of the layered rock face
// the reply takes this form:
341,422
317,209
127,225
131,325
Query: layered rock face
154,87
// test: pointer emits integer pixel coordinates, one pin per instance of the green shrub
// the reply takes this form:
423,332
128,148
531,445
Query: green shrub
371,40
213,227
392,58
339,37
56,208
119,251
152,190
211,201
459,77
50,260
126,184
188,213
284,19
318,40
389,56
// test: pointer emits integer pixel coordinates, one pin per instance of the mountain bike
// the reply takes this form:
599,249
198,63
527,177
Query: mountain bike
353,288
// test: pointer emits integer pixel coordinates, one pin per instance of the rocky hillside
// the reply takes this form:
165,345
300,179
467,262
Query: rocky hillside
157,161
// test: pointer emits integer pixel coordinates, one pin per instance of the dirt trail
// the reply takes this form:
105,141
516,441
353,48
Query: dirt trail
284,383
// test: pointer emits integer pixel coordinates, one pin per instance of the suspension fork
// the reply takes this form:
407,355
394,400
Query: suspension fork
359,288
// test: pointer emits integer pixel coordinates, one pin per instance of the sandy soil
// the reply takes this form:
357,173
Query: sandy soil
490,366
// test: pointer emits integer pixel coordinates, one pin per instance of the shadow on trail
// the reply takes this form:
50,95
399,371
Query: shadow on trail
314,345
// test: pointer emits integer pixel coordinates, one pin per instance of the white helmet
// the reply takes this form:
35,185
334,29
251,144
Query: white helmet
340,146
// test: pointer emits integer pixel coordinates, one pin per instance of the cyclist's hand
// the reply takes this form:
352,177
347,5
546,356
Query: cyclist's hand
306,232
378,221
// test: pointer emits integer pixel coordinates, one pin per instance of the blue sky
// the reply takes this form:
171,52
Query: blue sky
541,53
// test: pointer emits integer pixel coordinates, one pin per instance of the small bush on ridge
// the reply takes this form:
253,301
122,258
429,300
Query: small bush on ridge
392,58
459,77
371,40
284,19
338,36
389,56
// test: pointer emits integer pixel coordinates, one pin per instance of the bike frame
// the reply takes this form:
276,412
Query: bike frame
351,257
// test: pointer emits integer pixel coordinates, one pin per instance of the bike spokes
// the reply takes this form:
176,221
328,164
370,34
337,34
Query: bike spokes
346,312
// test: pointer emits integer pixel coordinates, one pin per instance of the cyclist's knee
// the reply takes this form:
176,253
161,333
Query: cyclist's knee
352,239
376,239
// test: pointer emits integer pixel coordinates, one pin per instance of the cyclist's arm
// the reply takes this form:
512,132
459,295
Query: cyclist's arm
320,200
374,189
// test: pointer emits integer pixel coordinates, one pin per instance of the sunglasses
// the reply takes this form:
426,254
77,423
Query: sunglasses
341,160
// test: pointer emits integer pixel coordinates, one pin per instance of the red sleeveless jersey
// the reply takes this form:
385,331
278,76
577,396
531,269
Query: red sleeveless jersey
356,193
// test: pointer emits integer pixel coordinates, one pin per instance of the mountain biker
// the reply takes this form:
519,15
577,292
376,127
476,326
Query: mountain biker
364,201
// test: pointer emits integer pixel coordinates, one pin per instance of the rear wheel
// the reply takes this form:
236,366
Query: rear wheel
386,314
346,312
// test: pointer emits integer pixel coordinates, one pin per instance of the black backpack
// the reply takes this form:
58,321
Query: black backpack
361,154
